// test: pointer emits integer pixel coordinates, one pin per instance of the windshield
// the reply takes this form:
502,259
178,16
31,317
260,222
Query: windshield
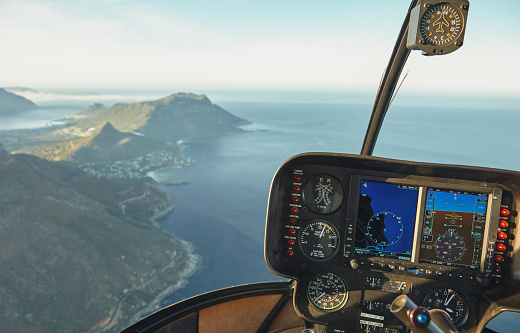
139,139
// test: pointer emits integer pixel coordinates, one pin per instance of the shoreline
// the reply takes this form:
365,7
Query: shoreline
193,265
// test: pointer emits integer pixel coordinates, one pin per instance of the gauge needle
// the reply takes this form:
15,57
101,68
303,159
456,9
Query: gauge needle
322,231
448,300
319,297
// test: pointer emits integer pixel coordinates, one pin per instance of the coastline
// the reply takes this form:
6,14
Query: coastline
193,265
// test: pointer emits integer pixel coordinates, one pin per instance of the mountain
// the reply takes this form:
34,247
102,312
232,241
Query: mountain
73,247
103,146
89,111
108,145
175,117
12,103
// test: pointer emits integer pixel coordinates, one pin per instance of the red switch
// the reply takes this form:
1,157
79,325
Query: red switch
502,235
501,247
503,224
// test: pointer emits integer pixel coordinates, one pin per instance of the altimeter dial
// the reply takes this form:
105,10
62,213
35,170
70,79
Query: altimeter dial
450,301
327,292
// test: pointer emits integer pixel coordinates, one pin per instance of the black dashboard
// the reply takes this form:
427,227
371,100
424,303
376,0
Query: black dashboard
355,232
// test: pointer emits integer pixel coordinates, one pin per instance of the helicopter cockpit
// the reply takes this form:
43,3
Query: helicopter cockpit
354,232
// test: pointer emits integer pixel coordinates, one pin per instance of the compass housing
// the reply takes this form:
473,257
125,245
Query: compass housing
437,27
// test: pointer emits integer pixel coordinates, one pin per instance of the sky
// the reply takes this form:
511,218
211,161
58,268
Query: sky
197,45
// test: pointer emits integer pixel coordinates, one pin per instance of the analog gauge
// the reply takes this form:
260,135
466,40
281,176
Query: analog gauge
441,24
323,194
385,229
319,240
450,301
327,292
398,287
449,246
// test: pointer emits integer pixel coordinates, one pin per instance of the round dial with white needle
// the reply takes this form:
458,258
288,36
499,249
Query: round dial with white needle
450,301
327,292
319,240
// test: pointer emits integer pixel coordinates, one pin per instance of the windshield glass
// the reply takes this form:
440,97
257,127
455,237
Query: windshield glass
139,139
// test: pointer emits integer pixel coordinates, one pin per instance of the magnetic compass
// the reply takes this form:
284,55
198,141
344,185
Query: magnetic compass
327,292
437,27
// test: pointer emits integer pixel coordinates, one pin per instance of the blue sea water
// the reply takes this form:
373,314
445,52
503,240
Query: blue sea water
222,209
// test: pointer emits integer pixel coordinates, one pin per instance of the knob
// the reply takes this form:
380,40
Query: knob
354,263
482,280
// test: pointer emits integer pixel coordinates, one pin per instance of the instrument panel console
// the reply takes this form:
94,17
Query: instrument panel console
354,232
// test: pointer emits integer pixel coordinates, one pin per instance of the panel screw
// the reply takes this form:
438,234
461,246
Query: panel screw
459,44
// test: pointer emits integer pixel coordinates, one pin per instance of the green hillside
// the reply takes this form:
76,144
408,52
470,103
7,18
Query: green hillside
79,244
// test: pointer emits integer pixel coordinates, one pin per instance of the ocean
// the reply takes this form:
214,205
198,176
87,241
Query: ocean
221,209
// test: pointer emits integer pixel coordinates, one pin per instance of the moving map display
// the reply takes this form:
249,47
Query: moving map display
386,220
453,230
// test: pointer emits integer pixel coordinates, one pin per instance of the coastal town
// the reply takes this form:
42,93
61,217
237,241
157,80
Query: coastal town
136,168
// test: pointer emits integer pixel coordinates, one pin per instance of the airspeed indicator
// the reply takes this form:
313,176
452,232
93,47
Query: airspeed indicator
319,240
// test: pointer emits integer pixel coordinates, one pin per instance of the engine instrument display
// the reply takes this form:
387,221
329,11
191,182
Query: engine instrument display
453,230
386,220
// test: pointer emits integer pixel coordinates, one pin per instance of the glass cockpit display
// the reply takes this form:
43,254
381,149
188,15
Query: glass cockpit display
454,228
386,220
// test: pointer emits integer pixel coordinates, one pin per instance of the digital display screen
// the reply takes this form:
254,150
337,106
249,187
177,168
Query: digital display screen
386,220
454,226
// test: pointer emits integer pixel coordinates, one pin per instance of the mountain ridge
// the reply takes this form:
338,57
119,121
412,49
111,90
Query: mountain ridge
78,243
13,103
171,118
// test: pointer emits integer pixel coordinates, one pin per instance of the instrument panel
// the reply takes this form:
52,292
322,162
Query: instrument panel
355,232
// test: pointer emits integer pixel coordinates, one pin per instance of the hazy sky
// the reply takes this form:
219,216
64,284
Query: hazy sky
241,44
